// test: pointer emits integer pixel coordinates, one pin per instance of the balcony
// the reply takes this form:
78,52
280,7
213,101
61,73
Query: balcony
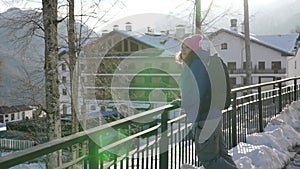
256,71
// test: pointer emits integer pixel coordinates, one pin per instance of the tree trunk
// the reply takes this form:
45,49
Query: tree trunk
73,75
51,77
72,58
198,16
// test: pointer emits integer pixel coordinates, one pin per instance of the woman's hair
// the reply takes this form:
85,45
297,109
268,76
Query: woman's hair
178,57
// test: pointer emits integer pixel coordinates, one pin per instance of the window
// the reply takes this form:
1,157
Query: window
148,79
276,65
244,65
147,65
64,79
224,46
64,92
126,48
63,67
134,46
232,81
231,65
166,80
12,116
65,109
82,79
261,65
118,47
244,80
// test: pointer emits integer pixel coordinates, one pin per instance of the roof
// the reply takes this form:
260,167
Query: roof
169,45
285,44
13,109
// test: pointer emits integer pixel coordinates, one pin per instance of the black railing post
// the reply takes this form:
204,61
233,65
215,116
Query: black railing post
280,96
93,154
234,110
295,89
261,125
164,141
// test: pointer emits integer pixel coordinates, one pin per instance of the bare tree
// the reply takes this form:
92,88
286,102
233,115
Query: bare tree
51,76
0,71
30,88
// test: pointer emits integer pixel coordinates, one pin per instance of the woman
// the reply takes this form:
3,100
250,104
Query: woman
196,92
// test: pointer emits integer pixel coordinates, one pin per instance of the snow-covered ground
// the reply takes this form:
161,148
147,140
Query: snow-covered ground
273,148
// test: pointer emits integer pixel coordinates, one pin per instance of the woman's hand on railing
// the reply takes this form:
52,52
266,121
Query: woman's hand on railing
176,102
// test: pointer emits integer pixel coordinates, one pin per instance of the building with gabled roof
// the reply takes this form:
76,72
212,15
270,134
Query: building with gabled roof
129,69
15,113
272,56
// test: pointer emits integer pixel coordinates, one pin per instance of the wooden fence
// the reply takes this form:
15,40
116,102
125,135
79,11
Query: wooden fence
10,144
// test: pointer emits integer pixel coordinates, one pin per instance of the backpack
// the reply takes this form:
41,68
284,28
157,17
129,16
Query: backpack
228,86
218,74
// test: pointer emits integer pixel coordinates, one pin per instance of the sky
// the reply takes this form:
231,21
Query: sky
182,9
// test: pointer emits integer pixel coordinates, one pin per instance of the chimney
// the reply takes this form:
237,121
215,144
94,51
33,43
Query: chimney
233,25
128,26
116,27
104,32
180,31
164,37
149,30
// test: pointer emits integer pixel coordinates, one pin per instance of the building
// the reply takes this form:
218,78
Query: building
15,113
272,56
134,71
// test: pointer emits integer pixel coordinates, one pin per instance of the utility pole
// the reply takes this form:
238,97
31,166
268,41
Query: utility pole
198,16
247,44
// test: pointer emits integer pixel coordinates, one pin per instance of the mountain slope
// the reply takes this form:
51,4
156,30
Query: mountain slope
22,56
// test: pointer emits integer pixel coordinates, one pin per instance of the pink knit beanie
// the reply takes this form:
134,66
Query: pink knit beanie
193,41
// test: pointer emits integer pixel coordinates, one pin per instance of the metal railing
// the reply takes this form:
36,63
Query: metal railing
165,143
254,106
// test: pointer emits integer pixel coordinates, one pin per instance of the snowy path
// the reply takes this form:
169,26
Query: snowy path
295,162
275,147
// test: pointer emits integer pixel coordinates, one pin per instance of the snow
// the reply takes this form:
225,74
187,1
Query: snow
170,46
273,148
285,42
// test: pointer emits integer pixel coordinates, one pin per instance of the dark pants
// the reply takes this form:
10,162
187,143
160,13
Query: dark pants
213,153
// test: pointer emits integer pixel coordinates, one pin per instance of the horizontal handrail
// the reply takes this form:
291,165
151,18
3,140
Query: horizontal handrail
64,142
263,84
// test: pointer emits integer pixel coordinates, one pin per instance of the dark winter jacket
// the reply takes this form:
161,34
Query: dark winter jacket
195,89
